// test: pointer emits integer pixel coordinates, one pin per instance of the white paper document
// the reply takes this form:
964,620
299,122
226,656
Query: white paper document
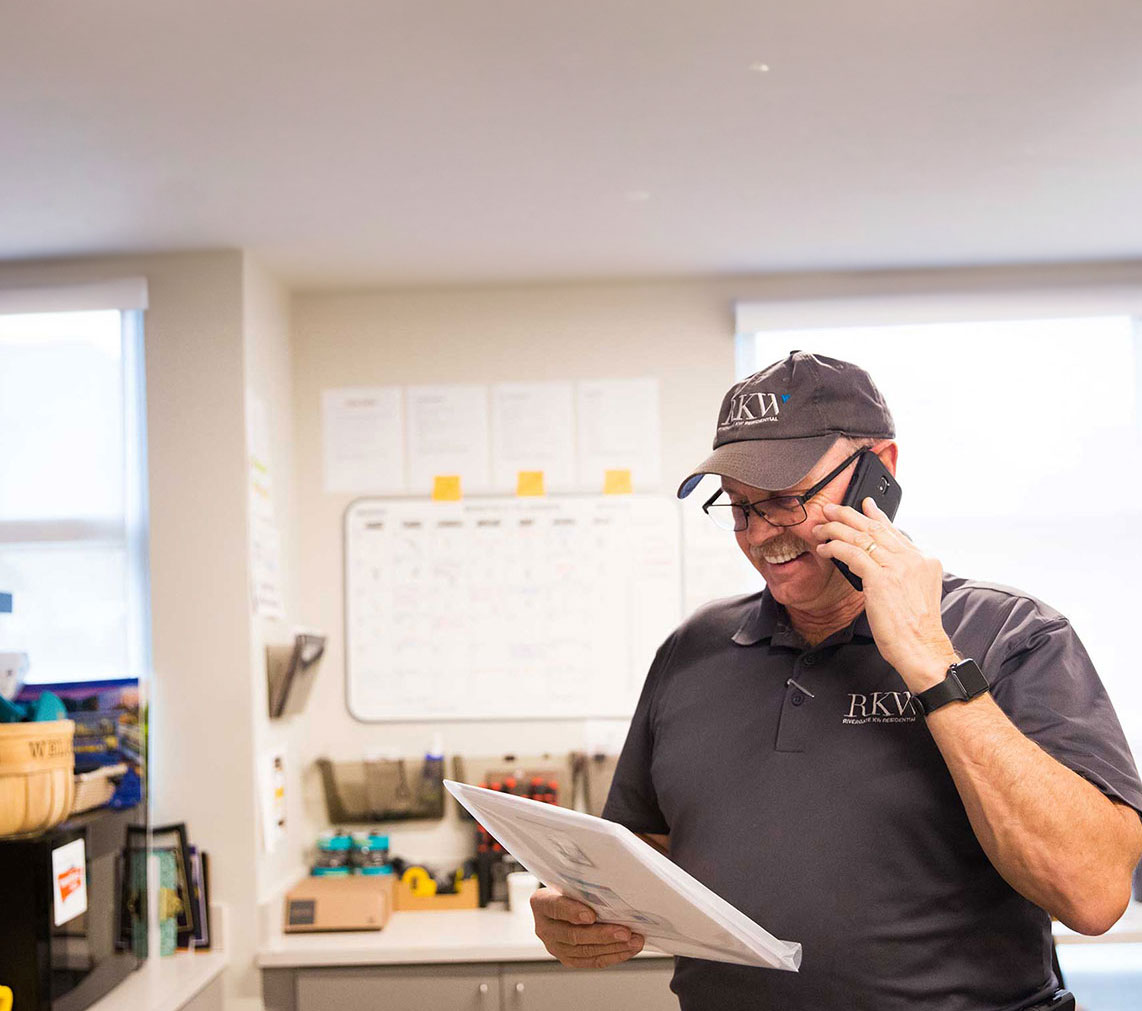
265,538
618,429
533,429
448,434
624,880
363,431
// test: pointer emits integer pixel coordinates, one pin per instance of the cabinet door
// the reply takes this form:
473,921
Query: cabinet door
643,984
427,988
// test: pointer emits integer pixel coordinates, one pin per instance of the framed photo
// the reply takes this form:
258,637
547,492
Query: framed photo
133,900
172,839
200,885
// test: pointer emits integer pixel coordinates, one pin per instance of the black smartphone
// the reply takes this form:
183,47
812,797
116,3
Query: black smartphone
871,479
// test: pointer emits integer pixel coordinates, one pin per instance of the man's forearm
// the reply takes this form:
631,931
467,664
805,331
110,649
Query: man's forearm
659,842
1052,835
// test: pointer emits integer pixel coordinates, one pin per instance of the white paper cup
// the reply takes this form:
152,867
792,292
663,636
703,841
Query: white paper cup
521,886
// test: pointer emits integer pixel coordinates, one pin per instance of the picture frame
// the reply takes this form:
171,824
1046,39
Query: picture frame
173,839
200,885
132,933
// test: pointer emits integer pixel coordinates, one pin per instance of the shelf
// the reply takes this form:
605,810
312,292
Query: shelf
165,984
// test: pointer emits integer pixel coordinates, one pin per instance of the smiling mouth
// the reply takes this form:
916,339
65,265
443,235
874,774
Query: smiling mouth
778,553
777,561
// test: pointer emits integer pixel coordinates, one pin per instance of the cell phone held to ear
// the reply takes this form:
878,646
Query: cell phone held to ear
871,479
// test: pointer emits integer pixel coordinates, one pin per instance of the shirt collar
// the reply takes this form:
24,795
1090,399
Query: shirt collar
768,620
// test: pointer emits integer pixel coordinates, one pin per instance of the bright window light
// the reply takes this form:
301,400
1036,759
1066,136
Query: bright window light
72,505
1019,460
1003,409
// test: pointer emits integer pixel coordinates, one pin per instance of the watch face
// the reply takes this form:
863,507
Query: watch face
971,677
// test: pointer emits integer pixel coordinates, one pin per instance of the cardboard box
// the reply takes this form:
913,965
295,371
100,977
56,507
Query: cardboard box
468,897
357,902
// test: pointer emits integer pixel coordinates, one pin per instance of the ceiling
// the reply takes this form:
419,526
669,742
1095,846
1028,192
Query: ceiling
366,142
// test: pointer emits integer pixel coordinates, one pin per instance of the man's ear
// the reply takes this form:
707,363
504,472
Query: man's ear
887,454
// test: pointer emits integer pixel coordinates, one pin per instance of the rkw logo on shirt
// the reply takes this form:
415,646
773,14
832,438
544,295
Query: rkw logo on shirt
880,707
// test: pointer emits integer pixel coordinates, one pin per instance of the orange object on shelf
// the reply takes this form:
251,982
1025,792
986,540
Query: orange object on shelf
467,897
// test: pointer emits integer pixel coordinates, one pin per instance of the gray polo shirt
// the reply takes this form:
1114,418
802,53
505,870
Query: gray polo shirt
832,819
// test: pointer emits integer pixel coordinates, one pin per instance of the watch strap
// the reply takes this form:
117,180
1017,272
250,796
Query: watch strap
963,682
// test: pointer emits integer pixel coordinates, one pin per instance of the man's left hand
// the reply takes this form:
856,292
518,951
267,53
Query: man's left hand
902,590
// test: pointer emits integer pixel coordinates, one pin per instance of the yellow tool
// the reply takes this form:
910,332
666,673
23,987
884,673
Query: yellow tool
5,999
419,882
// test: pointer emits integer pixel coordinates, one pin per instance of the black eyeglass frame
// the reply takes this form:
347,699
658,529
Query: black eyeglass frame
801,497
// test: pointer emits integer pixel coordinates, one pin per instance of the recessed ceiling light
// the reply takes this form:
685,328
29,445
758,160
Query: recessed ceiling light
637,196
759,68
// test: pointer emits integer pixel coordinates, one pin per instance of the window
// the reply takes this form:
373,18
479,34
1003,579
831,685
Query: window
1019,458
73,528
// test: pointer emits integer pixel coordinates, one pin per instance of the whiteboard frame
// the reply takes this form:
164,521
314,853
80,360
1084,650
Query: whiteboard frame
421,500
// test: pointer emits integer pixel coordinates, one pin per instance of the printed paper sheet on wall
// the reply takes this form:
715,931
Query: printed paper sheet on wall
507,608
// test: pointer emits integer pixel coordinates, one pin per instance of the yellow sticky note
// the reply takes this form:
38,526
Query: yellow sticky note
617,482
446,488
529,482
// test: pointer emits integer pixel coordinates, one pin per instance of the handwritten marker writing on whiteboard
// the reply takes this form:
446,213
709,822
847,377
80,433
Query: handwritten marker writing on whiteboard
617,482
446,488
529,482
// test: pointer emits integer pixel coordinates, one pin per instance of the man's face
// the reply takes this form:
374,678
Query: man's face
786,557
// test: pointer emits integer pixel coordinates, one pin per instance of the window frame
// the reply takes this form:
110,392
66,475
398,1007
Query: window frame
131,529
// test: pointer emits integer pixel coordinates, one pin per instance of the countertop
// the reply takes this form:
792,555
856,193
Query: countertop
165,984
455,935
495,935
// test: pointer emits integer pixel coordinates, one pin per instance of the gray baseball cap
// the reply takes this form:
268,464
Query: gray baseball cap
775,425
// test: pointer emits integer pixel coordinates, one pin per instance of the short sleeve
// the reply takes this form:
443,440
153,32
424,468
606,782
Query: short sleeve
1048,687
632,800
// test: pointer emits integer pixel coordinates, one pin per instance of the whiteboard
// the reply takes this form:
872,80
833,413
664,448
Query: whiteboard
507,608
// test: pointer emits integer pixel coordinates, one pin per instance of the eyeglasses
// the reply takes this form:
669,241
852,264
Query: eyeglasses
780,511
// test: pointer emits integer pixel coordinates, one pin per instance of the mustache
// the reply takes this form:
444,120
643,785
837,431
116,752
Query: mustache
783,544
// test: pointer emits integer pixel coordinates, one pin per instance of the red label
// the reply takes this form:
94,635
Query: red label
70,882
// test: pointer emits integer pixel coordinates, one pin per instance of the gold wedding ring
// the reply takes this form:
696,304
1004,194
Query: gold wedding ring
872,546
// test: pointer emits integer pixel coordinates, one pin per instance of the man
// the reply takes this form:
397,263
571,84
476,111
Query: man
806,753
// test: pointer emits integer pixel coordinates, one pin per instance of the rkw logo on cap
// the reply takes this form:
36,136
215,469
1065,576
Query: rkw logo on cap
750,406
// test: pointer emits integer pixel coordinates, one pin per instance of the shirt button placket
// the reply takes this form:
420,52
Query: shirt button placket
793,726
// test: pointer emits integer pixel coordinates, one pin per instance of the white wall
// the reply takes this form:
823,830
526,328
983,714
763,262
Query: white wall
679,331
269,378
201,741
217,325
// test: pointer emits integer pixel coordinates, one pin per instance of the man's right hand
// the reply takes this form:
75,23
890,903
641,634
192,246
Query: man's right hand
568,930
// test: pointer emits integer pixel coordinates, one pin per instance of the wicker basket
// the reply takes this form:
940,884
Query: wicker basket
94,789
36,775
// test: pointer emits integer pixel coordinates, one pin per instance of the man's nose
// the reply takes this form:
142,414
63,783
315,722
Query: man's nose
759,530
